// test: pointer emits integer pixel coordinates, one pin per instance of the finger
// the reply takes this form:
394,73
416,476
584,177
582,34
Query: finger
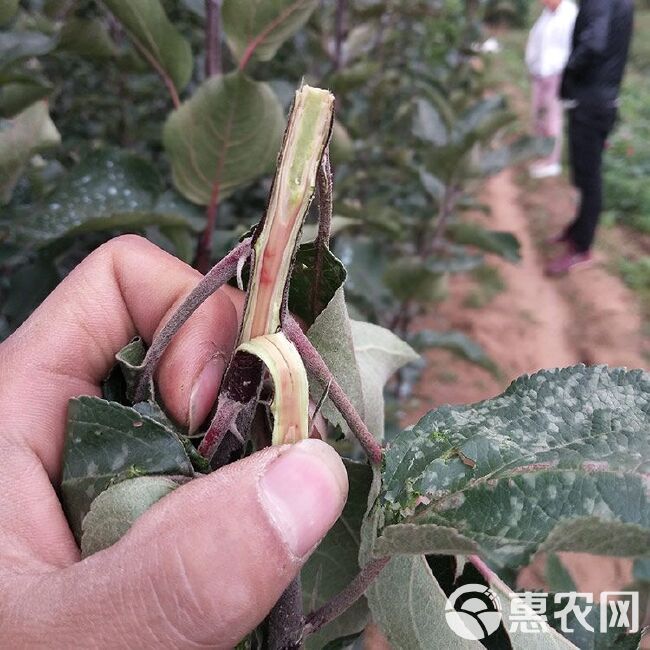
204,565
126,287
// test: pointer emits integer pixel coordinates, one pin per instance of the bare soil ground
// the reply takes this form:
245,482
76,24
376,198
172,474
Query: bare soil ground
588,316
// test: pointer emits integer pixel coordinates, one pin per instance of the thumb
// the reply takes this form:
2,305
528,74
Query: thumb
206,563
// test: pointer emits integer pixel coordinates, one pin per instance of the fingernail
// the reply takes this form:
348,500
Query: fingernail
304,491
204,392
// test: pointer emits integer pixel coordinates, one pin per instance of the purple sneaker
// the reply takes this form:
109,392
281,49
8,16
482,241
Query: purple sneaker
564,263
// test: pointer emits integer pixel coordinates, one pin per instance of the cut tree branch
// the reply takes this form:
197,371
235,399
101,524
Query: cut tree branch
318,368
345,599
221,273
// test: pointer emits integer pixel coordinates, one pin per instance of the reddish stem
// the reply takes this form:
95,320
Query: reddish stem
216,278
212,37
483,568
318,368
255,42
167,80
345,599
204,248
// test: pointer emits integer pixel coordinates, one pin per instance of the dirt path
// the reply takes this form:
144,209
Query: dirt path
588,316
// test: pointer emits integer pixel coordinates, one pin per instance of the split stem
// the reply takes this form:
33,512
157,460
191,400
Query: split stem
318,368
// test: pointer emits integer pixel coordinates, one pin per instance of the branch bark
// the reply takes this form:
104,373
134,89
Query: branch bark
345,599
325,184
286,620
212,38
216,278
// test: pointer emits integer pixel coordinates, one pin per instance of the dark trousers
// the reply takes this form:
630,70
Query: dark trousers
588,130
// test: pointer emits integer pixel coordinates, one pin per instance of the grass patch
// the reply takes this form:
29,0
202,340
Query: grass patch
636,275
627,161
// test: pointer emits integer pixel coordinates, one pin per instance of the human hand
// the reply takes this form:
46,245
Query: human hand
205,564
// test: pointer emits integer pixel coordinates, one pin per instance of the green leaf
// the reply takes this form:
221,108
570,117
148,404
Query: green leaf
366,268
557,576
338,353
641,570
197,7
303,278
335,563
129,359
611,639
341,145
433,186
28,286
8,9
409,607
558,462
110,189
504,244
149,27
523,149
113,512
21,137
410,279
455,260
20,90
379,354
428,124
548,639
456,342
258,29
18,45
225,136
481,120
88,38
182,240
105,442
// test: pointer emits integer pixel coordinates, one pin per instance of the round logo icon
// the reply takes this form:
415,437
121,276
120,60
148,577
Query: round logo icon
473,611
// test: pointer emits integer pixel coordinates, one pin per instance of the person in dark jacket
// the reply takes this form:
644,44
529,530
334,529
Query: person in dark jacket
590,84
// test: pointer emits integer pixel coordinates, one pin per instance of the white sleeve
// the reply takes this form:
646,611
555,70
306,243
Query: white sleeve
566,33
531,46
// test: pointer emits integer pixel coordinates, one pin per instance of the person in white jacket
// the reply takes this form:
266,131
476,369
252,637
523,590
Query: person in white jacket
547,52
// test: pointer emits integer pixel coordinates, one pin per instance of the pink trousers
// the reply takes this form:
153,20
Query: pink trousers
547,112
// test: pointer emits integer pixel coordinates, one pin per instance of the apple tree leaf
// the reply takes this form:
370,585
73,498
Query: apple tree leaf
226,135
21,137
558,462
258,29
115,509
105,442
148,25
